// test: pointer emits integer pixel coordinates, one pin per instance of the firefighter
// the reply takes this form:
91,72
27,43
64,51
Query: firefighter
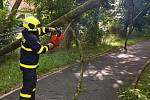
29,54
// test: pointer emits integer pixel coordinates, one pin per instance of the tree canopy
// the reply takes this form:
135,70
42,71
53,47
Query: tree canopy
108,16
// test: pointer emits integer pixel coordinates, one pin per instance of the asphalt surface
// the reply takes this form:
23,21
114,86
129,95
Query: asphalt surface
103,76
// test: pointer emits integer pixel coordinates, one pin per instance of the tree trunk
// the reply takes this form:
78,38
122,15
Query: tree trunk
10,47
129,6
125,30
58,22
15,7
76,30
131,27
130,14
127,37
68,39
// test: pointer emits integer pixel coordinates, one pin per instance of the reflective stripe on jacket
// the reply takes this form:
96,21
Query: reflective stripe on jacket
30,50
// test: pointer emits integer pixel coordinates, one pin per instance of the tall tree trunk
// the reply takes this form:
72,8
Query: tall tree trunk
131,27
125,30
129,14
95,26
68,39
60,21
130,23
76,30
69,35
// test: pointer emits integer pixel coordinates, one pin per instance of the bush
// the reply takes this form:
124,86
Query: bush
132,94
7,37
3,13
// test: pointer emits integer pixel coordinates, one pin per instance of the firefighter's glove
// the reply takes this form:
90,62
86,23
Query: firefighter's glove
50,46
58,31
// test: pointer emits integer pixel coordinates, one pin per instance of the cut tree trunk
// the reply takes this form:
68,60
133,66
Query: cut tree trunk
10,47
58,22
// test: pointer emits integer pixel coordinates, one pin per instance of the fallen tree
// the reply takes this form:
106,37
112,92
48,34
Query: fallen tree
73,14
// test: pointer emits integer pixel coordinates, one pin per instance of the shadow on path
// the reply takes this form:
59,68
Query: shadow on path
103,76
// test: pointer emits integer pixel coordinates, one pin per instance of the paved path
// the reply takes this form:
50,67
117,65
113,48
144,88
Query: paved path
103,76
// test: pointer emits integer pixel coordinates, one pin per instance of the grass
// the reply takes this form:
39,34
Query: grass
144,83
10,75
142,91
61,58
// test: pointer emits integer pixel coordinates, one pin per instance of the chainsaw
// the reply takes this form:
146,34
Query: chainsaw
59,35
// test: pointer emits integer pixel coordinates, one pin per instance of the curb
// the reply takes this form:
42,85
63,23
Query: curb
138,76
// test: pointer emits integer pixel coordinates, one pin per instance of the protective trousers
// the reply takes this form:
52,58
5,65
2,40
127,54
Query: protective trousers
29,84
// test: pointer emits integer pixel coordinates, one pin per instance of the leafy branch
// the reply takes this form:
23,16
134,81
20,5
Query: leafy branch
81,62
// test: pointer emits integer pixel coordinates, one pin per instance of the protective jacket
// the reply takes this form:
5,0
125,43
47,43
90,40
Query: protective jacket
31,47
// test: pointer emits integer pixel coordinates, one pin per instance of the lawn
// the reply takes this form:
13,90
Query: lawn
142,90
144,82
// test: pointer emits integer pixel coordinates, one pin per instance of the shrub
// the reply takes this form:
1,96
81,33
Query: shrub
3,13
132,94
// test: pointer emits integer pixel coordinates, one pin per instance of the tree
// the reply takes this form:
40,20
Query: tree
129,14
68,39
133,8
89,26
7,23
1,4
133,20
58,22
15,8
